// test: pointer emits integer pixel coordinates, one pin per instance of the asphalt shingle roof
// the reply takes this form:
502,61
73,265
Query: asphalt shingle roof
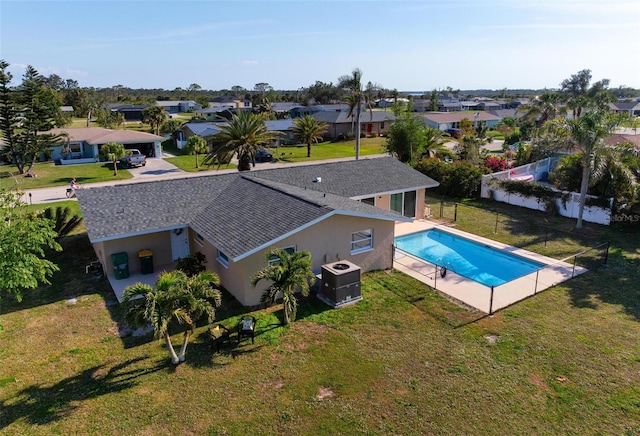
242,212
365,117
352,178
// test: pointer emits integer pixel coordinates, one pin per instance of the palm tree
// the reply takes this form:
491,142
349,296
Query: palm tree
357,97
588,133
176,296
113,151
287,272
434,141
154,116
308,130
197,145
244,135
542,109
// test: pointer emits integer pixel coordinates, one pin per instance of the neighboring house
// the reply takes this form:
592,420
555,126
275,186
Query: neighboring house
174,107
338,107
67,109
131,112
336,211
389,102
213,113
84,144
285,130
619,138
203,129
626,107
301,111
371,122
230,102
283,107
451,120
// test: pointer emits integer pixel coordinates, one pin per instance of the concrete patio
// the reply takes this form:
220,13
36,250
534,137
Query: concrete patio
473,293
119,286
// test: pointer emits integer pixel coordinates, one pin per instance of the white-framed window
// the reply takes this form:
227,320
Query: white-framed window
361,241
273,260
223,258
199,238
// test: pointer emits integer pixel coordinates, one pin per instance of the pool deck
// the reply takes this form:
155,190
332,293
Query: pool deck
473,293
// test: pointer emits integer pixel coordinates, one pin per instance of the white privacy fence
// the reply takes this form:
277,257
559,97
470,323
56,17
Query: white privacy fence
567,205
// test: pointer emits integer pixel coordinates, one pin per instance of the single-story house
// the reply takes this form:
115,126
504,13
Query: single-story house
84,143
336,211
67,109
174,107
626,107
203,129
451,120
284,128
212,113
301,111
131,112
229,102
371,122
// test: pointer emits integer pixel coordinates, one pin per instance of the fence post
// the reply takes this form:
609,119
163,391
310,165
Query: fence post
491,302
535,287
573,271
435,278
455,212
441,207
495,230
606,254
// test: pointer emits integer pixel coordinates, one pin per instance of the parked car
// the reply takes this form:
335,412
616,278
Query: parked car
133,159
263,155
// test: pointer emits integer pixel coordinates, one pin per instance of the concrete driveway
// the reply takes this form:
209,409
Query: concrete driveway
154,168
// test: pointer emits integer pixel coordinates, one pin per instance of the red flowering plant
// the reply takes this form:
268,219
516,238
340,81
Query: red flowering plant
496,163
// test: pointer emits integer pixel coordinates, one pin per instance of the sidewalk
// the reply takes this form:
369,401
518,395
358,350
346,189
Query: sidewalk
159,169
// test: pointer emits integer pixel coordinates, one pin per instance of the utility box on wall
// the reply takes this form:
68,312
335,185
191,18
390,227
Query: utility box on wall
340,283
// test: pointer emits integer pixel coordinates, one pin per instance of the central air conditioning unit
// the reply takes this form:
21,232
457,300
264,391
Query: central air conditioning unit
340,283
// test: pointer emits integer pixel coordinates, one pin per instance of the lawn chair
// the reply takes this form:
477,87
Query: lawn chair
247,328
219,335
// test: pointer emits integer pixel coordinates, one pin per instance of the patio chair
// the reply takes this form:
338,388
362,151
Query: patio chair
247,328
219,335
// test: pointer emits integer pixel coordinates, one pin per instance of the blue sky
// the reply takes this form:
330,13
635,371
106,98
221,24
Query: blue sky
407,45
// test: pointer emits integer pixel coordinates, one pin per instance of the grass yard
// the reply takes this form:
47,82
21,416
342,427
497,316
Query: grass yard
50,174
288,154
402,361
329,150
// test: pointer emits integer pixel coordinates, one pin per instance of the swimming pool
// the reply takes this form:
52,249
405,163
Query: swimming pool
486,265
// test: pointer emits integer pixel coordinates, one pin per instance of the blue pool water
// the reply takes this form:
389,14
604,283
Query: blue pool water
481,263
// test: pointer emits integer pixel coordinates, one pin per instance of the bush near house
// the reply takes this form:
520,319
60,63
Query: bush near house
457,179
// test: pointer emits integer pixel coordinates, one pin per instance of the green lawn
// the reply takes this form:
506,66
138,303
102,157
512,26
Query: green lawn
49,174
298,153
403,361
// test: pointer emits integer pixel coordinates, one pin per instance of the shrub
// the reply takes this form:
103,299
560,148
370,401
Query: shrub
457,179
192,264
496,163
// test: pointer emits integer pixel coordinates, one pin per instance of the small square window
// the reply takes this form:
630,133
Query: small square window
361,241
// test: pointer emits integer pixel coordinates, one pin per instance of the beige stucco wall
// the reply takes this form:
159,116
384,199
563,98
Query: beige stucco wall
384,202
327,241
159,243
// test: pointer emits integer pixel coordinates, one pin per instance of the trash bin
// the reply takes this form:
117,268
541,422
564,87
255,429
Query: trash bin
146,261
120,263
